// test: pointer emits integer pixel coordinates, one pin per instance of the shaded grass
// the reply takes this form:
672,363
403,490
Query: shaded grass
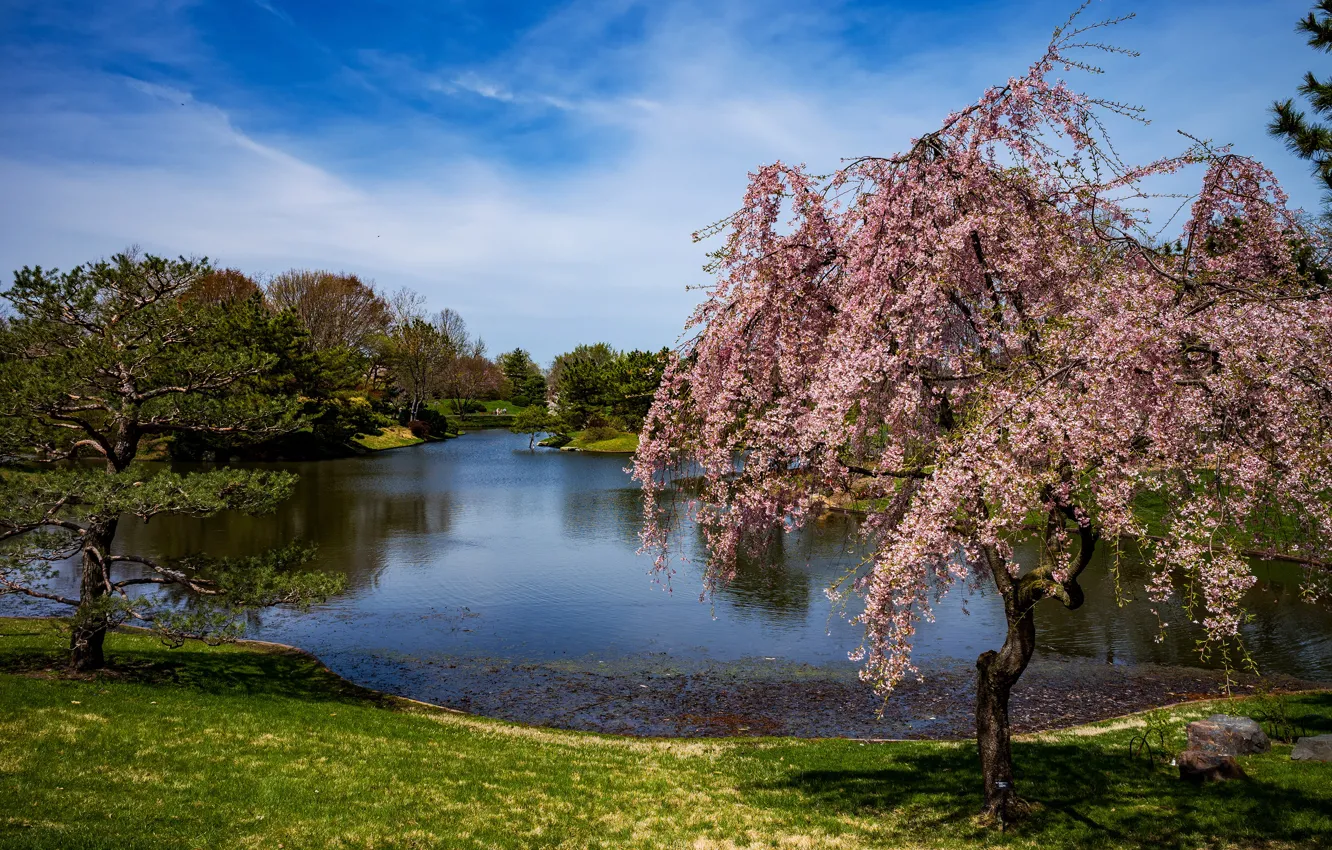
390,437
241,746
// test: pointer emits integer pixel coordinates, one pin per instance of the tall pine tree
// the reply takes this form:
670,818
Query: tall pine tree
93,361
1306,138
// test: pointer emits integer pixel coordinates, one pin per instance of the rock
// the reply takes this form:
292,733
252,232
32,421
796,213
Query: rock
1315,748
1198,766
1228,736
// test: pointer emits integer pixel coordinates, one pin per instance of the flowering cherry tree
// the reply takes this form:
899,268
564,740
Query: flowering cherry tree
981,331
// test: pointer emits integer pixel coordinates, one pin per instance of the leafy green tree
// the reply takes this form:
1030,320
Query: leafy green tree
516,365
92,362
536,420
633,380
1305,138
535,388
524,376
325,381
581,379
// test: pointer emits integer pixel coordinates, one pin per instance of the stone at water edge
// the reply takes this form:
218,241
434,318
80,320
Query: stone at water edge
1199,766
1225,735
1314,748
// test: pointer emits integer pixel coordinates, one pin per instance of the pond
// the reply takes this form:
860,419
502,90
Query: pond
475,556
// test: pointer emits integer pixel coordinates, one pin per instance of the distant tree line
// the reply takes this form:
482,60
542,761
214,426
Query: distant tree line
359,359
111,361
354,359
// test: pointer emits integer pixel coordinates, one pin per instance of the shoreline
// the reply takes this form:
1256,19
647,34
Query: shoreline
661,697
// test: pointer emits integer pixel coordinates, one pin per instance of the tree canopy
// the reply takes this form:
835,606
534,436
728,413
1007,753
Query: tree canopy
1307,138
980,330
93,361
597,380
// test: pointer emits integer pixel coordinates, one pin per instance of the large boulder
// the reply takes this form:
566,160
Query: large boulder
1225,735
1315,748
1198,766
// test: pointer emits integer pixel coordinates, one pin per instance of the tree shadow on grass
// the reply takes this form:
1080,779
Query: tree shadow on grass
1087,795
1313,713
136,659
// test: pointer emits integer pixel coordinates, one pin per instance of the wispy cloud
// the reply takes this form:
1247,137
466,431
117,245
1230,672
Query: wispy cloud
563,214
473,83
272,9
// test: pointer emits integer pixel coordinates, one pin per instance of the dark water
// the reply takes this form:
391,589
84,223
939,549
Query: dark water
478,547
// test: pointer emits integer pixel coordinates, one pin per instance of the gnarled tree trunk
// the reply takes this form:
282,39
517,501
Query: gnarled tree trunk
90,621
997,672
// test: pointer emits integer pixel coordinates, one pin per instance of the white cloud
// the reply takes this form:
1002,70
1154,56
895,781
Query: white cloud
541,257
475,84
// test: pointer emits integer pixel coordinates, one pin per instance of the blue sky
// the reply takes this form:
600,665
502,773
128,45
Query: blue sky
538,167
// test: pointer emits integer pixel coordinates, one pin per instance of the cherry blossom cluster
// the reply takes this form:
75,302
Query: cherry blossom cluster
978,335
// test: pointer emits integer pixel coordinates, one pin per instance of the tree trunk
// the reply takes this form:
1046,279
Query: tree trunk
91,621
997,673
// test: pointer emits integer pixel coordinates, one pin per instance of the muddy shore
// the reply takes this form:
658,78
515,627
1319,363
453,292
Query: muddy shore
659,696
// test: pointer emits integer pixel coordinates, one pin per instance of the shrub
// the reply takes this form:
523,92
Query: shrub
599,433
420,430
520,401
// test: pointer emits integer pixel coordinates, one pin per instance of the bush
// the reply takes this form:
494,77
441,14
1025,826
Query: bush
520,401
420,430
436,421
599,433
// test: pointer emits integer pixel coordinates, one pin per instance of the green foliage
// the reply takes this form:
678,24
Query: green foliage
536,420
1305,138
524,378
87,495
597,380
323,383
462,408
99,358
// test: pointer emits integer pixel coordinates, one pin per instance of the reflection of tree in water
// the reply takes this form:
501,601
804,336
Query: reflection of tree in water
1285,634
777,574
769,582
352,511
588,514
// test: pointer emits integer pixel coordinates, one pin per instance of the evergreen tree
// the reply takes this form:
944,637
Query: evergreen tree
1305,138
92,362
527,384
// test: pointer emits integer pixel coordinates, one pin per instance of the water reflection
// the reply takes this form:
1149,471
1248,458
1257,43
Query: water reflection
478,546
362,513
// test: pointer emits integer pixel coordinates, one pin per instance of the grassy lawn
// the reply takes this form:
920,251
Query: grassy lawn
514,410
392,437
240,747
624,442
491,406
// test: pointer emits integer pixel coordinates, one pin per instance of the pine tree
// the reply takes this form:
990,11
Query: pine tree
1305,138
93,361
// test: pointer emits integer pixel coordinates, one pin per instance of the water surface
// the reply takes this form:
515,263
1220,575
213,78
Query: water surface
480,548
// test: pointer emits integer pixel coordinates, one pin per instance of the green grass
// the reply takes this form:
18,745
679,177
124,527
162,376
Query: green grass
478,421
624,442
241,747
491,406
514,410
391,437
